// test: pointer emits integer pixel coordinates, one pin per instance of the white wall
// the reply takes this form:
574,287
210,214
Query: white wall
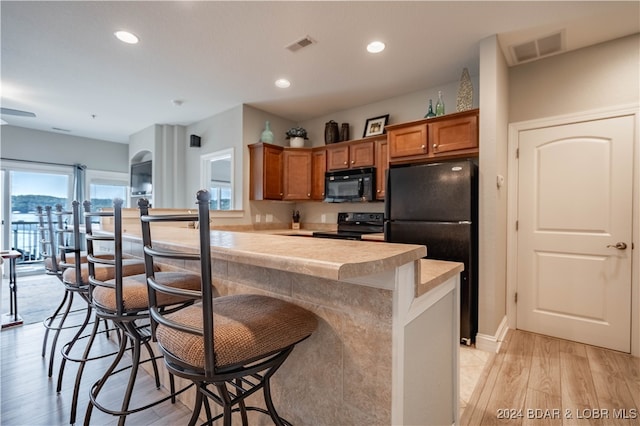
403,108
20,143
591,78
164,144
236,128
493,200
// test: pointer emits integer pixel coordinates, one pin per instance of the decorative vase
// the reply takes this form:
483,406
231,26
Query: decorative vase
465,92
344,132
331,132
296,142
267,134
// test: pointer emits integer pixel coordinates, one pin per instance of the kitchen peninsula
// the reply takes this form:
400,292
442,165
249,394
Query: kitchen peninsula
386,349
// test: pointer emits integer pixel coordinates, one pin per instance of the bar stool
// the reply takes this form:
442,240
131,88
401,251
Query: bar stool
76,281
49,250
59,257
124,301
228,346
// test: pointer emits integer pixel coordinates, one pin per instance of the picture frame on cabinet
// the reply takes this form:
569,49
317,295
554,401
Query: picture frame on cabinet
375,126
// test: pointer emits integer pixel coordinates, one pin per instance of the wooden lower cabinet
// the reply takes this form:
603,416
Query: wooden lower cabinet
297,174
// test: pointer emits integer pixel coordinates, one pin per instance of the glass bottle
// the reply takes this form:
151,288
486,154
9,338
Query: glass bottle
430,112
440,105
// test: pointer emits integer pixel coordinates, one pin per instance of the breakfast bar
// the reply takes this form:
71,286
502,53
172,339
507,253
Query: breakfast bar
386,348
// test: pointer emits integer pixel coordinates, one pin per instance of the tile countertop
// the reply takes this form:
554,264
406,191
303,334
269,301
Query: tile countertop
321,257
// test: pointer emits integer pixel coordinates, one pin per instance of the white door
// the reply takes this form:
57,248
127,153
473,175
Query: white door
575,230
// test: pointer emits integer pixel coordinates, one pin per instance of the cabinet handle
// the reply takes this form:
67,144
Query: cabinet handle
308,195
353,161
378,191
423,147
345,163
435,146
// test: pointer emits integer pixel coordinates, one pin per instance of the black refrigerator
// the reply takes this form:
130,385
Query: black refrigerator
437,205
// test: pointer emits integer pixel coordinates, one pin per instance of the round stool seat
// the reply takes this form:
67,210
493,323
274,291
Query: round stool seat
104,272
134,291
247,327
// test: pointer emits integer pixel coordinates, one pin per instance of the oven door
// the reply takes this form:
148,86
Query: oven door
339,235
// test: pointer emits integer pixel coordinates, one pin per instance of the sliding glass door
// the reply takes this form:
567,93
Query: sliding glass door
25,187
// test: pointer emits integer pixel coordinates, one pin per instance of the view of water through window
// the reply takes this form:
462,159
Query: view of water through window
29,190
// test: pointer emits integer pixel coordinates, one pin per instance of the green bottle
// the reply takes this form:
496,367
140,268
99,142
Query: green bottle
440,105
430,112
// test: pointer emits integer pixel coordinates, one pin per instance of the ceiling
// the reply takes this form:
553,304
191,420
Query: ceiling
61,61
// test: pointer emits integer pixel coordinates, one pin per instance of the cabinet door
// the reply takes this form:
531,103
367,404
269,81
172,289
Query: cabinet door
265,172
382,165
272,173
338,157
318,169
361,154
457,134
408,141
297,174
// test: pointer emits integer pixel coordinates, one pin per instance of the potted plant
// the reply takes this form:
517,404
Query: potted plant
296,136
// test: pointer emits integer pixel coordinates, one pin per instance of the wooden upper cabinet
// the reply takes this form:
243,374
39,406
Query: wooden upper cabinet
350,155
318,169
362,154
456,134
337,157
408,141
448,136
265,174
297,174
382,165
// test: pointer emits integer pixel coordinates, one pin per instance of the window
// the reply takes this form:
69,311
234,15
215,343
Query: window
103,187
217,177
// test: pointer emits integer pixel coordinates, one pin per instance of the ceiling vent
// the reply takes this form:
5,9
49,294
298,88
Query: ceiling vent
299,44
538,48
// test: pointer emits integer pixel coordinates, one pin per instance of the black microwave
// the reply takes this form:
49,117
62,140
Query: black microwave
350,185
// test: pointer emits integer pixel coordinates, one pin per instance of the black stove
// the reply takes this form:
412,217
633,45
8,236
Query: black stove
351,226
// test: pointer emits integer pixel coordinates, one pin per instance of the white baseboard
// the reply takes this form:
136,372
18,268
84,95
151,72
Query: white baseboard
490,343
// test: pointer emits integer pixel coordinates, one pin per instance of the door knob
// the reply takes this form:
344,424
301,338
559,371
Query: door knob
619,245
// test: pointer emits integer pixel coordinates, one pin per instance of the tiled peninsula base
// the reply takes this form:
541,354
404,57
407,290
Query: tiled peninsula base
380,355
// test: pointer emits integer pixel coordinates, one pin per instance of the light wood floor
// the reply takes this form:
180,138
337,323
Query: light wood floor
28,397
530,372
539,380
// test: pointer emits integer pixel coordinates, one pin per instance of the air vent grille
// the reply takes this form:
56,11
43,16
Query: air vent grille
538,48
299,44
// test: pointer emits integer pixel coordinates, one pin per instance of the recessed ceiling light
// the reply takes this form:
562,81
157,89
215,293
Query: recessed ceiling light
283,83
126,37
375,47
